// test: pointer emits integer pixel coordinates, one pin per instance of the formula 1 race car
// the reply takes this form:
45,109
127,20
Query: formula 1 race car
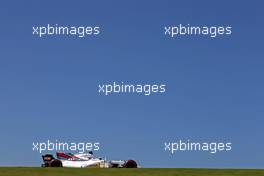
84,160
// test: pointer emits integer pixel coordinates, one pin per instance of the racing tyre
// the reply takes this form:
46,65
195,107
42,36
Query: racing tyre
55,163
130,164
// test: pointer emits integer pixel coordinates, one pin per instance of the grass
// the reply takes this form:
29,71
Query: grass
34,171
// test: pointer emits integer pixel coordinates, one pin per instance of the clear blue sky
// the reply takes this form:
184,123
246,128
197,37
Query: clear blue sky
214,86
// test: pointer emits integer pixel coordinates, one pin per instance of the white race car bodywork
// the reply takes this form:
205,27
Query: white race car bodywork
80,160
88,163
84,160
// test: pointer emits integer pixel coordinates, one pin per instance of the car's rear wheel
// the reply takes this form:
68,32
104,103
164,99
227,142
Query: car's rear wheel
130,164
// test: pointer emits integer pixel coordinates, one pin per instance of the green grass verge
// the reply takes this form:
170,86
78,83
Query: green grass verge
28,171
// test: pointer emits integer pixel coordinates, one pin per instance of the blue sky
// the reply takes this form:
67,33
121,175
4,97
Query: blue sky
214,86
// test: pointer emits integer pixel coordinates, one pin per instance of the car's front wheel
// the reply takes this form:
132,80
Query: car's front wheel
55,163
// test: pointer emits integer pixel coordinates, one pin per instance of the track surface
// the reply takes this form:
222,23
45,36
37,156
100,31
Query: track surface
27,171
